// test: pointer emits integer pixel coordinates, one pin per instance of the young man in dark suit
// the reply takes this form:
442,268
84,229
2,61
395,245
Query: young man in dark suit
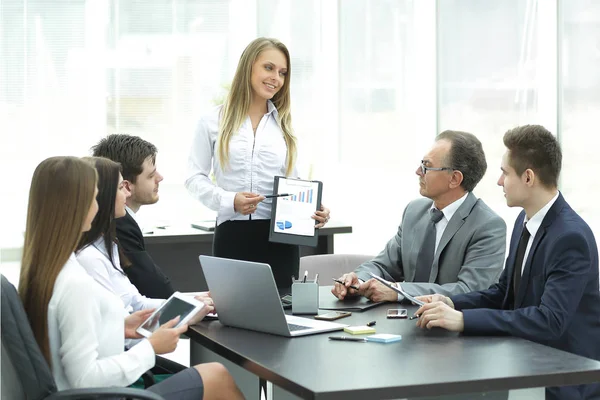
137,158
548,291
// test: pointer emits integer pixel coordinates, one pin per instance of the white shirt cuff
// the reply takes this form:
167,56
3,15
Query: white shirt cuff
400,297
144,353
226,208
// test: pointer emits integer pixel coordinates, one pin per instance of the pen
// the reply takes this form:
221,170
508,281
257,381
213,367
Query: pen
350,339
414,317
305,275
371,323
342,283
270,196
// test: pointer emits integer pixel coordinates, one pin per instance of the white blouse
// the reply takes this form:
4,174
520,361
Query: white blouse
94,259
254,161
87,334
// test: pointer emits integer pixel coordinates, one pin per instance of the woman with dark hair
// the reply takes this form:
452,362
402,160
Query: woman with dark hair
98,251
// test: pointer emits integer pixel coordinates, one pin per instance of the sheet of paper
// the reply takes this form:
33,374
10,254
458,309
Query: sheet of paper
294,212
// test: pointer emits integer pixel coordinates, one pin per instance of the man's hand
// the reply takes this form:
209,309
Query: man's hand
432,298
164,339
377,291
133,321
440,314
343,290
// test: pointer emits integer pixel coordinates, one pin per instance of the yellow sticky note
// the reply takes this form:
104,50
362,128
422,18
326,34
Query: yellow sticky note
359,330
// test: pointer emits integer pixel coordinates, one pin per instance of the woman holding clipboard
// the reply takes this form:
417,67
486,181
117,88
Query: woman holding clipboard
246,142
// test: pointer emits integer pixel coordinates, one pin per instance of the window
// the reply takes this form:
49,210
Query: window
373,82
580,95
494,59
386,115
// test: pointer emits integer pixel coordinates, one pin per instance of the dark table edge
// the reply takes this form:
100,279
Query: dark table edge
255,368
207,237
452,388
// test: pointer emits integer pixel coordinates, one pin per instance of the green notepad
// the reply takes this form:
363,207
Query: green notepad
359,330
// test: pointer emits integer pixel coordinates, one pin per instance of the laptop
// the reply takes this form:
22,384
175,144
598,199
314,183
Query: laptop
246,297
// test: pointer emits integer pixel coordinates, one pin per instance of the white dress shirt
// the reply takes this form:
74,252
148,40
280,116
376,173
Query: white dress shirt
87,333
133,215
96,262
533,225
448,212
254,161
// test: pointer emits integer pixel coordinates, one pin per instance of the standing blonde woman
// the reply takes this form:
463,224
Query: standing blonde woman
79,325
246,142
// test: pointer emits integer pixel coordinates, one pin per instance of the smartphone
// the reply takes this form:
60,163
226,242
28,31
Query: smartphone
330,316
397,313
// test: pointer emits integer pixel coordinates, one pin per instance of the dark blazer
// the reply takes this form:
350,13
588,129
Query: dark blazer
143,272
558,303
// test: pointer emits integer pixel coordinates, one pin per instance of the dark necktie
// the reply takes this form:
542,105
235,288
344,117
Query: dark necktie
426,253
519,262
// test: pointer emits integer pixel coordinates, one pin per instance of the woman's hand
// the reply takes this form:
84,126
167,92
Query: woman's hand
245,203
164,339
133,321
322,217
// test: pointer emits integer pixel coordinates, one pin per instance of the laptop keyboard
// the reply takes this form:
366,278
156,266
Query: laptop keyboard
294,327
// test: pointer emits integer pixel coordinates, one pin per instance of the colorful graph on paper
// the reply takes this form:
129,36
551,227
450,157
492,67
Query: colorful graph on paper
305,196
293,214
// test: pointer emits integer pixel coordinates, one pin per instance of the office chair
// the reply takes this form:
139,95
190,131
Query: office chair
331,265
25,372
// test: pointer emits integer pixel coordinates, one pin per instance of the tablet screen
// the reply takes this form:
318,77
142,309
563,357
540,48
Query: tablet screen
172,308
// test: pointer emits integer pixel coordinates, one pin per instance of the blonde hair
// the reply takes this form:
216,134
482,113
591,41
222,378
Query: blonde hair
61,193
236,106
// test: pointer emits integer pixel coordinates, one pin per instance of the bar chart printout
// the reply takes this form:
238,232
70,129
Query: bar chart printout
293,215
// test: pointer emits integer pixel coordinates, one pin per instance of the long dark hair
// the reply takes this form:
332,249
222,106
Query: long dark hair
61,194
104,224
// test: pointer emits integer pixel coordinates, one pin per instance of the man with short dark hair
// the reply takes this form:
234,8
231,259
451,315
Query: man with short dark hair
141,178
548,291
450,241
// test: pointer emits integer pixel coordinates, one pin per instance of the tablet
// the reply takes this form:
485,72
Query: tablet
398,290
291,214
178,304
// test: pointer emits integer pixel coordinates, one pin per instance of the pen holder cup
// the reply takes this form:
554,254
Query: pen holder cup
305,298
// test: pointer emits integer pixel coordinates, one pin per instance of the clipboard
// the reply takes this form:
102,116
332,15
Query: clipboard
291,220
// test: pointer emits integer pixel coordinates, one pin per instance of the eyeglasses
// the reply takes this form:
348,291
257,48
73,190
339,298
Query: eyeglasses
424,169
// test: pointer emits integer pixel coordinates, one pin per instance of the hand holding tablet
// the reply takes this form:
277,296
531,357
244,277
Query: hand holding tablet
178,305
397,290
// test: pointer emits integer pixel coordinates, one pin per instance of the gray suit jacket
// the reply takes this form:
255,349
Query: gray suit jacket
469,257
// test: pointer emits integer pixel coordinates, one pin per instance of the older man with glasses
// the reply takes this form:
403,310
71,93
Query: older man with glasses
449,242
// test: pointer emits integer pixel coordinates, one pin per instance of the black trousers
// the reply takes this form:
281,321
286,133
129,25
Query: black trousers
249,241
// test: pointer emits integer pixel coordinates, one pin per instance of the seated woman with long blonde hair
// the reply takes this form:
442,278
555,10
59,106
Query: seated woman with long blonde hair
79,325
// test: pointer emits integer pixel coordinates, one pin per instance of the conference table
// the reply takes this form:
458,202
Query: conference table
424,364
176,250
